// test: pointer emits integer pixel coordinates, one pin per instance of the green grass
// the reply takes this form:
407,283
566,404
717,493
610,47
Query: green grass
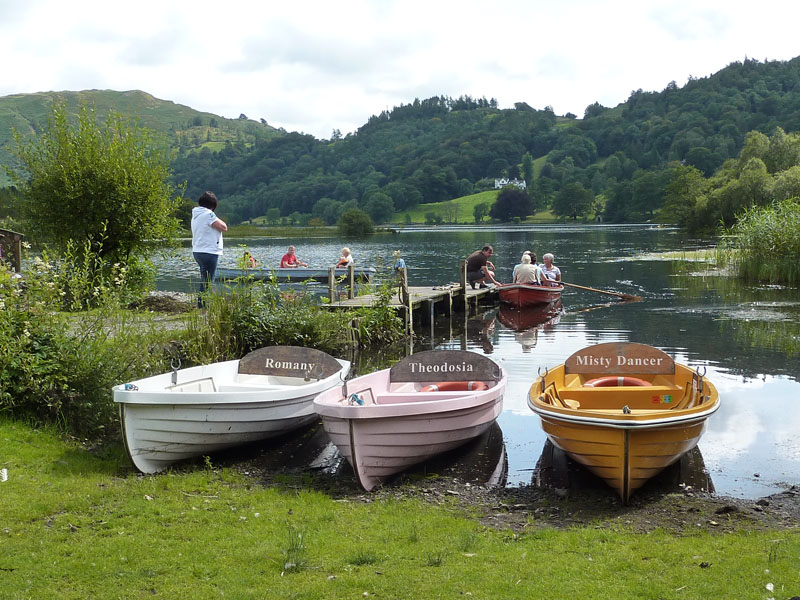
538,163
77,525
462,209
458,210
257,230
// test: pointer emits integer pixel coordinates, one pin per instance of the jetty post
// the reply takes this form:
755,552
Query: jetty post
332,284
349,277
351,281
405,300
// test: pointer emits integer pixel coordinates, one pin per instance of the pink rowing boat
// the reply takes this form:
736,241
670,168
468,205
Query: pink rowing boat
426,404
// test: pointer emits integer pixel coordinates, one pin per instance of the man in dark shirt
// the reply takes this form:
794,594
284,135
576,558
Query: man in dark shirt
480,268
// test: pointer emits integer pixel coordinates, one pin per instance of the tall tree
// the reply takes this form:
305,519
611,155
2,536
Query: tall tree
686,185
105,184
573,201
480,211
355,223
379,207
527,168
511,202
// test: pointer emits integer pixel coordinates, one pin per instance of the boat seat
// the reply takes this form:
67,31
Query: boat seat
601,398
406,397
634,411
239,387
206,384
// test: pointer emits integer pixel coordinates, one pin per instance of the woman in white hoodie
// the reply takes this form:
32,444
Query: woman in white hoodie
207,231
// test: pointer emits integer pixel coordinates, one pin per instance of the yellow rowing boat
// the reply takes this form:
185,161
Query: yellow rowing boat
623,410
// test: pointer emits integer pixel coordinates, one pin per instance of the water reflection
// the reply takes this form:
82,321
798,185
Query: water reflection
556,471
521,319
481,329
746,336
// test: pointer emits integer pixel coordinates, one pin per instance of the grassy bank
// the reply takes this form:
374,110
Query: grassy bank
76,525
278,231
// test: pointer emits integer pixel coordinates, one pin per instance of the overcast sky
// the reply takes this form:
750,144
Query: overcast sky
323,65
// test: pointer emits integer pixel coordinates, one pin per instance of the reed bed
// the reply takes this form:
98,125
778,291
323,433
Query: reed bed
765,244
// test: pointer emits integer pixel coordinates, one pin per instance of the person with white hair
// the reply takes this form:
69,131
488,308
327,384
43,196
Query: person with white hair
346,259
528,271
551,272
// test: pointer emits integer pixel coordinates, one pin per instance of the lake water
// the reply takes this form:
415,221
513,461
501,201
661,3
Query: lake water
748,338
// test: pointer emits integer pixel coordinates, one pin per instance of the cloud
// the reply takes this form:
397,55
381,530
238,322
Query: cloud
316,65
702,25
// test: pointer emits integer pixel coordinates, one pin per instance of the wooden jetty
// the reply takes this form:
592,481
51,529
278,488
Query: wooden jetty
422,303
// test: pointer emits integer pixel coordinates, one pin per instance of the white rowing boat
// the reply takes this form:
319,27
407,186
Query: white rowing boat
199,410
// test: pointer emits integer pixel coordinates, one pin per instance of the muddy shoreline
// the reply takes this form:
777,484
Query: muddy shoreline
529,507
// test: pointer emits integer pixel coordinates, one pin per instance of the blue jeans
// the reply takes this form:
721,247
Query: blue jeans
208,269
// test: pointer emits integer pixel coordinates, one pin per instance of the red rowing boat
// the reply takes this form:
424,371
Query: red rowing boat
526,294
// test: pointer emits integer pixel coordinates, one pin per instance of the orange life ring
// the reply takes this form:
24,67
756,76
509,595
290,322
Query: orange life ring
616,381
456,386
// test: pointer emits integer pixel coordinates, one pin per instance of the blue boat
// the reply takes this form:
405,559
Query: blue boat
297,274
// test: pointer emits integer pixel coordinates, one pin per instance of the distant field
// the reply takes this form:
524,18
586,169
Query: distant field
458,210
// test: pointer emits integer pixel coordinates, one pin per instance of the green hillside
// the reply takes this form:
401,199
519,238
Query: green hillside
458,210
614,162
186,129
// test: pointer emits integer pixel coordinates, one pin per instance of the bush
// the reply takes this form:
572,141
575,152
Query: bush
355,223
250,315
109,183
765,243
60,369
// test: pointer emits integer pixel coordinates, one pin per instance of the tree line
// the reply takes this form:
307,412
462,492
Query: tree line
615,162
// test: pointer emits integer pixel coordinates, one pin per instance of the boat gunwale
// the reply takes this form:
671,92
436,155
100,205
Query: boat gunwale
232,397
623,421
441,406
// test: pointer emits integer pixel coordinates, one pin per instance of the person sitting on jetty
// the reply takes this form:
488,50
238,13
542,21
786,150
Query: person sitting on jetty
527,271
249,260
399,261
290,260
551,272
345,260
480,268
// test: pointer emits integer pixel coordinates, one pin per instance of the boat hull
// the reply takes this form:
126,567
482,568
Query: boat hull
625,459
298,274
210,409
624,435
522,295
402,426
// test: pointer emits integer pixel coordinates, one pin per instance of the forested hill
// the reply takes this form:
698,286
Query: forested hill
441,148
615,161
184,127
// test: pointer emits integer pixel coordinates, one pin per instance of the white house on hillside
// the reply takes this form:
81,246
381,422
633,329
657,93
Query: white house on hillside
502,182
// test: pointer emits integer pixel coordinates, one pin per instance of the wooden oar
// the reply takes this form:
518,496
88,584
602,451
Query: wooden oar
630,297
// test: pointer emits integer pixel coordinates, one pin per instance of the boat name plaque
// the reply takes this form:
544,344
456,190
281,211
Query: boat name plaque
620,358
289,361
445,365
